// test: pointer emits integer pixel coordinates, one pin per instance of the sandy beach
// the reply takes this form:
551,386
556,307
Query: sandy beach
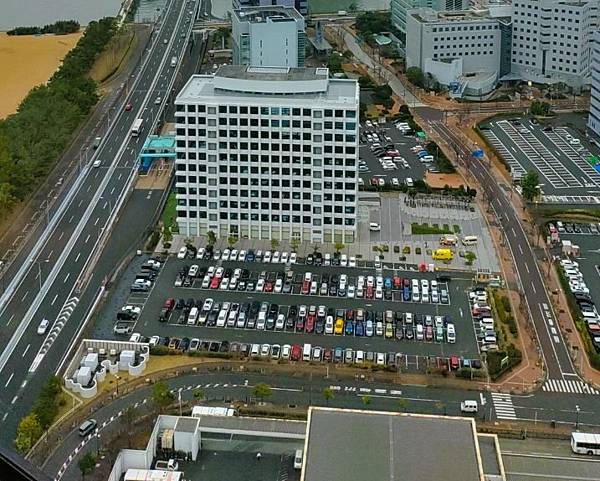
29,61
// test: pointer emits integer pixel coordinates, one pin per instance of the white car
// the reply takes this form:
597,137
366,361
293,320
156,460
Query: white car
224,284
200,253
208,303
395,182
260,285
286,350
97,163
158,100
242,256
344,260
276,257
329,325
267,257
234,255
154,340
132,309
225,255
351,292
293,258
135,337
43,327
280,322
278,285
182,253
374,227
352,262
284,257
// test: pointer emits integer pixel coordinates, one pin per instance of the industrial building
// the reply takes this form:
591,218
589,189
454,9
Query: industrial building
268,153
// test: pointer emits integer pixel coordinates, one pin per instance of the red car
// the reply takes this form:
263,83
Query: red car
169,303
374,181
300,324
454,363
214,284
305,287
128,107
268,286
327,354
369,292
296,352
397,282
310,323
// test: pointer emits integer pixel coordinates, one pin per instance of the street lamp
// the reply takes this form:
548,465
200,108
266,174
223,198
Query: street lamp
577,418
39,264
117,377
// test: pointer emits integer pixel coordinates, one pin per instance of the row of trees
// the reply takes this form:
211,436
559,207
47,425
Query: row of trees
61,27
32,140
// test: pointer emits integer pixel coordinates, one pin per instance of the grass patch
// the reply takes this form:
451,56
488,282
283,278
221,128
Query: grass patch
504,311
331,6
169,215
114,55
417,229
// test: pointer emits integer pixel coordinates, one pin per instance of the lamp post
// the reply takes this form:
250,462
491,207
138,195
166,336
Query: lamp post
39,264
577,409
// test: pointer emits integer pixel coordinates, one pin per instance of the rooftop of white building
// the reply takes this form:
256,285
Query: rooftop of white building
269,13
292,85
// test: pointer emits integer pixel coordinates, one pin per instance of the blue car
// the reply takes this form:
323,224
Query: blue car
349,328
387,283
406,294
359,330
250,256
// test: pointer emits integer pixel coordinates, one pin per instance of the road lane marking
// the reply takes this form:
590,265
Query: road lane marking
527,268
14,400
87,239
77,258
112,191
533,287
24,296
12,316
71,219
97,219
513,231
62,233
26,349
67,277
520,249
9,379
54,300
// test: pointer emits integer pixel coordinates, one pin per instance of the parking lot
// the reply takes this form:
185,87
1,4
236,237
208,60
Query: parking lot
404,337
558,154
372,167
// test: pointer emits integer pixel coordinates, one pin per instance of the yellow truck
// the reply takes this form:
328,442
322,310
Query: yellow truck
443,255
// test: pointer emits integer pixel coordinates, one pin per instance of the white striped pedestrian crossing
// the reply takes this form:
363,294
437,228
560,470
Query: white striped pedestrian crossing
568,386
503,406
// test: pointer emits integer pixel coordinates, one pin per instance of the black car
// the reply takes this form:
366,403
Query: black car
212,318
190,303
320,326
224,346
335,260
290,322
270,323
318,259
214,346
245,275
180,304
332,290
409,333
387,295
310,259
184,344
274,310
444,278
399,330
125,316
204,346
245,307
287,287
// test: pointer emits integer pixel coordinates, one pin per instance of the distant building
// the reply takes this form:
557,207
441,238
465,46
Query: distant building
552,41
268,37
300,5
594,117
268,153
400,7
460,49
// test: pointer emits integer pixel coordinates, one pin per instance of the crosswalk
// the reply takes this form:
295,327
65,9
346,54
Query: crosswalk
503,406
563,385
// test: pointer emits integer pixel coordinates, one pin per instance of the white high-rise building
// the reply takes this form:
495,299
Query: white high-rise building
594,117
551,40
268,37
268,153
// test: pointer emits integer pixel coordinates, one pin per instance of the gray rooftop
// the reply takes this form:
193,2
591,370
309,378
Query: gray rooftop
186,425
253,426
360,445
280,74
273,13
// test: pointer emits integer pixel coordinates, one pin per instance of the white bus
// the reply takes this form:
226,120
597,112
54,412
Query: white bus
585,443
137,127
198,411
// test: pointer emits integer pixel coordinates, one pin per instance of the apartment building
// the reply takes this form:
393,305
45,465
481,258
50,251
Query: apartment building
552,40
460,49
594,116
268,153
268,37
399,8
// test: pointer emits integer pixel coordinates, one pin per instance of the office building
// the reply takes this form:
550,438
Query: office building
594,116
399,8
268,37
268,153
461,49
552,40
300,5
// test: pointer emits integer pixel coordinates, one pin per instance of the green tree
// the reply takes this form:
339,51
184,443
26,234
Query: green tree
211,238
274,244
86,464
415,76
294,244
339,246
365,82
335,63
366,400
162,395
470,257
539,108
328,395
198,394
262,391
232,240
28,432
529,184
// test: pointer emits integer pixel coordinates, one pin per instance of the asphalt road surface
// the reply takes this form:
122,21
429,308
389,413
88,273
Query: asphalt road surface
53,274
554,350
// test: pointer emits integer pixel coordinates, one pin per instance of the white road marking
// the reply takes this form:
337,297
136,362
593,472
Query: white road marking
78,255
24,296
97,219
520,249
26,349
67,277
62,233
54,300
87,239
9,380
533,287
14,400
10,319
527,268
70,219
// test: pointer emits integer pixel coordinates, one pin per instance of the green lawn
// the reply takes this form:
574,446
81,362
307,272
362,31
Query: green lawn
417,229
169,214
331,6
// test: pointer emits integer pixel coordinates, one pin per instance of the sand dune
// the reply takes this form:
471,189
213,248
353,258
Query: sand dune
27,61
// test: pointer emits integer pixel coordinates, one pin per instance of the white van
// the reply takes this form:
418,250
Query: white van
419,332
360,357
468,406
193,316
409,182
306,352
469,240
450,333
298,459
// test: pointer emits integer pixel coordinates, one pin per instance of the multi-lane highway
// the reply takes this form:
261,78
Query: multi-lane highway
57,273
557,360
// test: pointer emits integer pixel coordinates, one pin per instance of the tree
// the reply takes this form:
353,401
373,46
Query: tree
328,394
529,184
86,464
162,395
211,238
294,244
470,257
127,419
539,108
415,76
339,246
262,391
402,404
232,240
28,432
198,394
366,400
335,63
274,244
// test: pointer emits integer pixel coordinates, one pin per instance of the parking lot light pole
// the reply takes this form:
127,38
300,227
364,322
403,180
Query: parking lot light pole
39,264
577,409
